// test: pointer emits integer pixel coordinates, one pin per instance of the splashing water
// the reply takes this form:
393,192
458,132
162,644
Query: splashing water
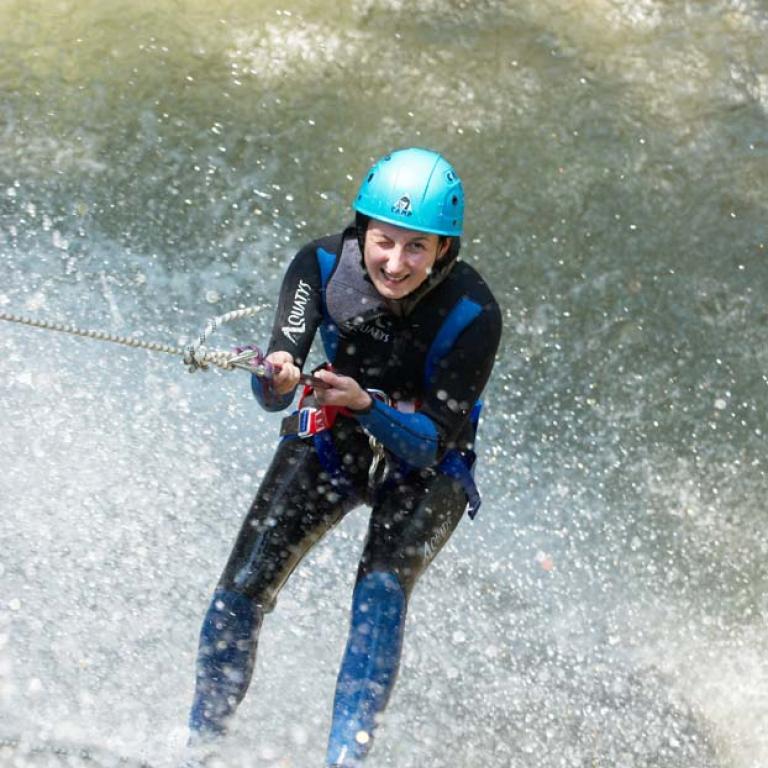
160,163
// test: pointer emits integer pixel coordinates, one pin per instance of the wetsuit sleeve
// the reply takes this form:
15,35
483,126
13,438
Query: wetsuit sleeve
459,377
411,436
299,312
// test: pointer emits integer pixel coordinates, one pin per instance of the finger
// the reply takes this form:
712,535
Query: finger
287,380
284,374
329,377
280,359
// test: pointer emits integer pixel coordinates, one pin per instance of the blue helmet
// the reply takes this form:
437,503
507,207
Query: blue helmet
416,189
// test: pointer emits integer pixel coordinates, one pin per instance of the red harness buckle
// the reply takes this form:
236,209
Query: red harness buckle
316,418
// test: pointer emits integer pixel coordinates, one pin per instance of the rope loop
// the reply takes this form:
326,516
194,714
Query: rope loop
196,356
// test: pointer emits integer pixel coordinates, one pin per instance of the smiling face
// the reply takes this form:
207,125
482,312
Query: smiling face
399,260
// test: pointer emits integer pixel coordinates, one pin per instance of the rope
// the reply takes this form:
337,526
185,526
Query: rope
195,356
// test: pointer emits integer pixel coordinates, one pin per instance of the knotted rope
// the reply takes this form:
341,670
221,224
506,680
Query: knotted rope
195,356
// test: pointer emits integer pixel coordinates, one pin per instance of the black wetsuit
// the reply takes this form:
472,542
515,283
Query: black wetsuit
434,369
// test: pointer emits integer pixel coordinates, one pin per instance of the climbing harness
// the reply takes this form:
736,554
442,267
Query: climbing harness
312,420
315,421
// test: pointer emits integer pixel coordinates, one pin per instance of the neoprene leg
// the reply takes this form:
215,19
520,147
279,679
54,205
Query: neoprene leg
225,660
292,510
369,668
408,527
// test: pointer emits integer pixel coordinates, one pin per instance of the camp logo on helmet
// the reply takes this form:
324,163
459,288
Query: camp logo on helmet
403,206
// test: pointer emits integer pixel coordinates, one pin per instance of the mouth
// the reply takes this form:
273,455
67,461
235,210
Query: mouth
390,278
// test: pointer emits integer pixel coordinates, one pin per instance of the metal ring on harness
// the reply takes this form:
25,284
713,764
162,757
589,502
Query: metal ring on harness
314,421
377,449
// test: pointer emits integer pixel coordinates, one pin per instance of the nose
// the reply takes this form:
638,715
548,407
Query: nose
396,260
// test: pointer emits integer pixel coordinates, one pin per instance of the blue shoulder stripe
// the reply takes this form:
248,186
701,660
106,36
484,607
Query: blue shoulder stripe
328,331
325,260
462,314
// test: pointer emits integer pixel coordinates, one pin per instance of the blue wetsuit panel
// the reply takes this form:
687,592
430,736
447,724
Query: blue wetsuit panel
462,314
411,436
328,331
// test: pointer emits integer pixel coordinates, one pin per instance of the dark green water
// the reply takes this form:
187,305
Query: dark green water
159,164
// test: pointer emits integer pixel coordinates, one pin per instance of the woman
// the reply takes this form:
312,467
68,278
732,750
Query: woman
410,333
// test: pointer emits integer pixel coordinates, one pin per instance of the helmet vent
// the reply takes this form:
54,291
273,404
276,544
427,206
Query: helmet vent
454,200
370,176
